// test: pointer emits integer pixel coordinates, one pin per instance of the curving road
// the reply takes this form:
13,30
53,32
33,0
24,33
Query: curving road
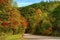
34,37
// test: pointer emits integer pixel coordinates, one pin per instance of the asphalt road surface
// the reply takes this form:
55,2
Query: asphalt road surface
35,37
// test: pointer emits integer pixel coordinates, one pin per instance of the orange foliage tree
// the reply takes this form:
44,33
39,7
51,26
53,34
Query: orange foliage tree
10,18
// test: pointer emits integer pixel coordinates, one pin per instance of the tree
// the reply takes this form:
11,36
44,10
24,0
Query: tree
56,16
10,18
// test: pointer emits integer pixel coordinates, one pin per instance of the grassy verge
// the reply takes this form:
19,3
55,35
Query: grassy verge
11,37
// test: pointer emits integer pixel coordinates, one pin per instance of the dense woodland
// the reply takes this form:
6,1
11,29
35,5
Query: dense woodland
43,18
40,18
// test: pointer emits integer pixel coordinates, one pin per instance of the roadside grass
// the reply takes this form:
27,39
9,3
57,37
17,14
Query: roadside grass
11,37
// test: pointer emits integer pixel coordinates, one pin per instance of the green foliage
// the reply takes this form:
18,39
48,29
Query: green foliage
56,23
11,19
43,18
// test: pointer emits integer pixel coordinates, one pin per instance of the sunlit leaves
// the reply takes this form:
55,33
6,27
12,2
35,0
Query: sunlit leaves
10,18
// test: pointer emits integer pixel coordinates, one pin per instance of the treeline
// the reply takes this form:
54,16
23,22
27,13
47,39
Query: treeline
43,18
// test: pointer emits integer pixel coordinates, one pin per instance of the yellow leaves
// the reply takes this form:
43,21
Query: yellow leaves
11,19
38,11
38,14
15,18
0,11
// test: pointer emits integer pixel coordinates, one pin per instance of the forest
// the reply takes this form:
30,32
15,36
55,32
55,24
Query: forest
43,18
38,19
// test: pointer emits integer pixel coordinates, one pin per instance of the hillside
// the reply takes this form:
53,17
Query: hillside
42,18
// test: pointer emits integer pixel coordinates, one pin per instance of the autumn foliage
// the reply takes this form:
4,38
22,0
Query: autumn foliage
43,18
11,17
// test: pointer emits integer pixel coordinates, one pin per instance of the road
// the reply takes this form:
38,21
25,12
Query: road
35,37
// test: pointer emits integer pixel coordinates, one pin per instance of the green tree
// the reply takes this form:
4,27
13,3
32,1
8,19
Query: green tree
56,22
